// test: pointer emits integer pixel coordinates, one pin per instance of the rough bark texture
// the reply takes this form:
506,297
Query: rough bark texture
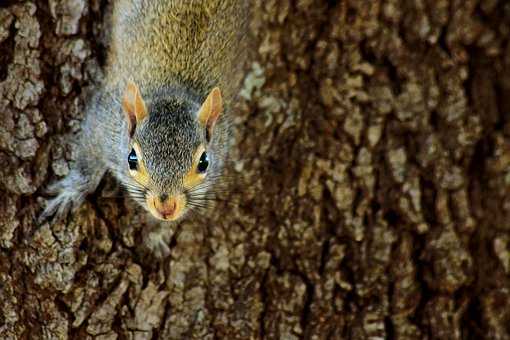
370,193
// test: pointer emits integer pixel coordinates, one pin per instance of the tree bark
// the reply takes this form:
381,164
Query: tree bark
369,191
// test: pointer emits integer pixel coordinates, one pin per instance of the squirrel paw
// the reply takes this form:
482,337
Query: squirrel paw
156,243
69,195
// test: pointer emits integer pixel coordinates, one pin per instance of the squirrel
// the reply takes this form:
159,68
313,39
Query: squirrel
157,120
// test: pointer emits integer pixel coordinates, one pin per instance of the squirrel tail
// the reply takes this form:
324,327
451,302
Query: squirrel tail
196,43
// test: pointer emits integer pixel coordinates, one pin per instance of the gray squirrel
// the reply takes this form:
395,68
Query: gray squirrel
157,121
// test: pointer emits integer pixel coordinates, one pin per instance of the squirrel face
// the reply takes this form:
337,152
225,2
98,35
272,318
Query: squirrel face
168,162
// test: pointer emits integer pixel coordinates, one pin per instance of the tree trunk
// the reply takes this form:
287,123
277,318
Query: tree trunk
369,187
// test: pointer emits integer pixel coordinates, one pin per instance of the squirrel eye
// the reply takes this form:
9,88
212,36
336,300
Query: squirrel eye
203,163
133,160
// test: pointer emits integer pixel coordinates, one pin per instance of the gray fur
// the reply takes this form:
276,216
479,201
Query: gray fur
176,51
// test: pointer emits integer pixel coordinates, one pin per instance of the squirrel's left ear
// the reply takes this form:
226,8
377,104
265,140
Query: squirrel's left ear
210,111
133,106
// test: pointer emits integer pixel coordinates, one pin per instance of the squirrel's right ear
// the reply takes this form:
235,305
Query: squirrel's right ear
133,106
210,111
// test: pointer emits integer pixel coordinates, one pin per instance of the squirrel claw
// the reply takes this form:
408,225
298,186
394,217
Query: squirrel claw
57,208
156,243
68,195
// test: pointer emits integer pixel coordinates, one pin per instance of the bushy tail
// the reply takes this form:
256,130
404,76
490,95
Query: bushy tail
199,44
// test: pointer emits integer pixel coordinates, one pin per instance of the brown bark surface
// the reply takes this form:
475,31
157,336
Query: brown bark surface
370,185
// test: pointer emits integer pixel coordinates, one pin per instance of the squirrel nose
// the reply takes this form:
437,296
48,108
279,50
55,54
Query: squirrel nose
166,206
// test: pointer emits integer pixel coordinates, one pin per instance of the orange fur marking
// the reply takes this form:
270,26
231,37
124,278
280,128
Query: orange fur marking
175,204
211,110
193,177
141,175
133,106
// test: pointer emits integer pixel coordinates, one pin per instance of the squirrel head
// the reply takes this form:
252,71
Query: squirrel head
171,158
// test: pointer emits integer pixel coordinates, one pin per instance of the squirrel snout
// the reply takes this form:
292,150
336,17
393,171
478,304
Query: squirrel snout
166,207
